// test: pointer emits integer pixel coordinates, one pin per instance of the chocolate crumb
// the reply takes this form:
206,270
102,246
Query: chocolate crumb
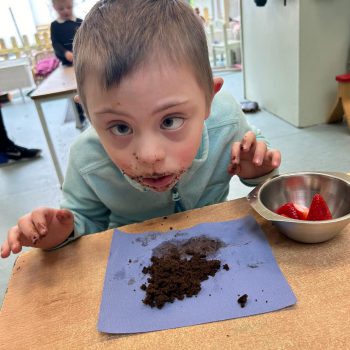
175,278
242,300
177,269
130,261
170,228
226,267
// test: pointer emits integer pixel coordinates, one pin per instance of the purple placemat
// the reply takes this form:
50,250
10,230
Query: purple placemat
253,271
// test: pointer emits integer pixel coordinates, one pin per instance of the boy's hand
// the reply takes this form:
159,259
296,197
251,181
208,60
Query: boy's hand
69,56
43,228
251,158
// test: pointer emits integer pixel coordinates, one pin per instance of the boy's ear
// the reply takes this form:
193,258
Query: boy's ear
217,85
218,82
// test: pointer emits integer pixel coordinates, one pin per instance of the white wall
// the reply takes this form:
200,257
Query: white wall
25,23
42,11
292,54
31,13
324,45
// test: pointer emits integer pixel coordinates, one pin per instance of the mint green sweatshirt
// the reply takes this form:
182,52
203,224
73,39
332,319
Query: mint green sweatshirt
101,197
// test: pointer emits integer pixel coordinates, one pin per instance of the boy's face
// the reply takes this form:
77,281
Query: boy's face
151,124
64,8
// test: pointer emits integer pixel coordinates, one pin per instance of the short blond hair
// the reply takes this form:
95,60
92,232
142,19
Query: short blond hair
117,36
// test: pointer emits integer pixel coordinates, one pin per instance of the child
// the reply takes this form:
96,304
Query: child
163,138
63,30
197,11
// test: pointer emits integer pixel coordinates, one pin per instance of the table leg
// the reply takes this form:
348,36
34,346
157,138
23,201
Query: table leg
78,124
49,141
22,95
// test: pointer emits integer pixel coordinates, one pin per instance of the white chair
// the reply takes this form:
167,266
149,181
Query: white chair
221,45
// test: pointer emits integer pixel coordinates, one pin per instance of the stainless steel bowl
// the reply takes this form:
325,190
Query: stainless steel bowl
299,188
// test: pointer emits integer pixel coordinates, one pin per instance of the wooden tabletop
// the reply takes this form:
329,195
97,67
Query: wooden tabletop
53,298
60,81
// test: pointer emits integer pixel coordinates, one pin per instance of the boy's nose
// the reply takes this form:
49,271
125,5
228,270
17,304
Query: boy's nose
150,153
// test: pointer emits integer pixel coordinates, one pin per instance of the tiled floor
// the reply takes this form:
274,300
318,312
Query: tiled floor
28,185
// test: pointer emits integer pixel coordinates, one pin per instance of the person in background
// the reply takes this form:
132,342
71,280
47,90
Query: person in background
164,138
198,13
63,30
9,151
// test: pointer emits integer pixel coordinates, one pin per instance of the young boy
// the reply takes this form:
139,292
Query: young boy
63,30
161,142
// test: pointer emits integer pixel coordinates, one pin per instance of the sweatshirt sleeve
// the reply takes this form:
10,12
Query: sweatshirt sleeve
59,49
90,214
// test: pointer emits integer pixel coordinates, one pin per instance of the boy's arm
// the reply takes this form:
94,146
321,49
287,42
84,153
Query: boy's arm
90,214
59,49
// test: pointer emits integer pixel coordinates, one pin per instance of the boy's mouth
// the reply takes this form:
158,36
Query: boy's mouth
159,183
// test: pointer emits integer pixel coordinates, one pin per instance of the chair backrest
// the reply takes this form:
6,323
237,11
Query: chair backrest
2,44
220,32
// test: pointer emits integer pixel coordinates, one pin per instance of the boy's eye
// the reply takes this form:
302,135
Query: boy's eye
172,123
121,129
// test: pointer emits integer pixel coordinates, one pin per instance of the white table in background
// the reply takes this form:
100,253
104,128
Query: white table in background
59,84
16,74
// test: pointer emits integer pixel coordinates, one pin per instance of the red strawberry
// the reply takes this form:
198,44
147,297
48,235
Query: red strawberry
288,210
319,209
302,211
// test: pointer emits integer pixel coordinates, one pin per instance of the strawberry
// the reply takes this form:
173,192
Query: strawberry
319,209
288,210
302,211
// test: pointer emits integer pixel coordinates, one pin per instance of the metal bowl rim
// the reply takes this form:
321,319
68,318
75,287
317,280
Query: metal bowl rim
278,218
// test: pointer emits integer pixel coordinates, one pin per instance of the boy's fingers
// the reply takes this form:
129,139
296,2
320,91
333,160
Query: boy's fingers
273,157
28,229
235,152
39,219
13,240
5,249
248,140
259,153
42,218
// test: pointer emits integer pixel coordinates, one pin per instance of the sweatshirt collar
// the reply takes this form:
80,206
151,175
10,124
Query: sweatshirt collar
61,20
